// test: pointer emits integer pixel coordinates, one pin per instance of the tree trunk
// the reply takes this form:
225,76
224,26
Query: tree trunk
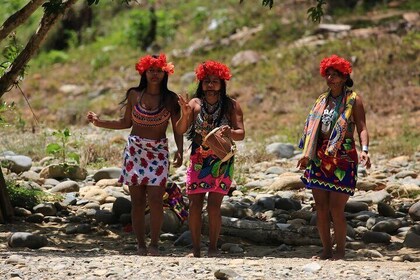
13,72
262,232
6,209
15,20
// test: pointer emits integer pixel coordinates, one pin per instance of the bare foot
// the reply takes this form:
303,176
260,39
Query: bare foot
323,256
154,251
196,253
141,250
338,256
212,253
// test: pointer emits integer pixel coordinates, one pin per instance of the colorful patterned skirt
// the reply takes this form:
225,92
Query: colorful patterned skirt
174,200
146,162
206,173
337,173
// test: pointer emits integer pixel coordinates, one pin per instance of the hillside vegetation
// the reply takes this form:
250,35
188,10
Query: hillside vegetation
90,66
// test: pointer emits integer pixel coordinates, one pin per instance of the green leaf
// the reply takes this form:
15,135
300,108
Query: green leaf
66,132
268,3
91,2
53,148
74,156
53,6
340,174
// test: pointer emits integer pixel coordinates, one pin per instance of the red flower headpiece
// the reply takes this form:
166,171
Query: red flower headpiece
336,62
148,61
211,67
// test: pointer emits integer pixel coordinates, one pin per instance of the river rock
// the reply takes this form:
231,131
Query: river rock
27,239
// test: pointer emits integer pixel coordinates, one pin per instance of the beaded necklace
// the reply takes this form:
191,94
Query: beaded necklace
330,115
208,116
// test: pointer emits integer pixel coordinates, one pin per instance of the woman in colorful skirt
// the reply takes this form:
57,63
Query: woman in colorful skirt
206,173
148,110
329,155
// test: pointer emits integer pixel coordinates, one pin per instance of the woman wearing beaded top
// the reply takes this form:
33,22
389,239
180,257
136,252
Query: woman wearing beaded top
329,155
148,109
210,108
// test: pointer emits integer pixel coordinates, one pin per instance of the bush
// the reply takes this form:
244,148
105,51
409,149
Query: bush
147,27
23,197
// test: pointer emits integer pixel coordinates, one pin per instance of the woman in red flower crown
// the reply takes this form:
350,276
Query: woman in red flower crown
329,155
206,173
148,110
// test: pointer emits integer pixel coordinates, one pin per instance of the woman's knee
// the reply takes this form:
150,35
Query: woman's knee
213,207
322,207
196,201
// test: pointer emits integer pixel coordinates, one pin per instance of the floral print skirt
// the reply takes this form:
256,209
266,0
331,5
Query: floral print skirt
146,162
337,173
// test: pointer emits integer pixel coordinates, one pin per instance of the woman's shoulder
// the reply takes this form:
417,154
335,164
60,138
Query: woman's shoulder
133,92
133,95
233,105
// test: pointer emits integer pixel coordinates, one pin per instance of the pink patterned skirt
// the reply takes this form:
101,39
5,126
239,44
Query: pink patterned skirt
206,173
146,162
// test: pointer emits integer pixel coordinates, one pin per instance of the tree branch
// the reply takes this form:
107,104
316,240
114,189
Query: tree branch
15,20
6,208
47,21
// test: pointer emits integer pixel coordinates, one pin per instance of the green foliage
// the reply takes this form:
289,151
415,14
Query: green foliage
55,56
411,5
91,2
59,149
100,60
72,39
24,197
316,13
5,108
166,25
46,59
268,3
9,7
10,53
199,16
140,30
139,27
10,116
53,6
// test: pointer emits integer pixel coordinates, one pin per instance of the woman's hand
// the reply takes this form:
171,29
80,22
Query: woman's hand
185,107
226,130
302,163
92,118
365,159
177,159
